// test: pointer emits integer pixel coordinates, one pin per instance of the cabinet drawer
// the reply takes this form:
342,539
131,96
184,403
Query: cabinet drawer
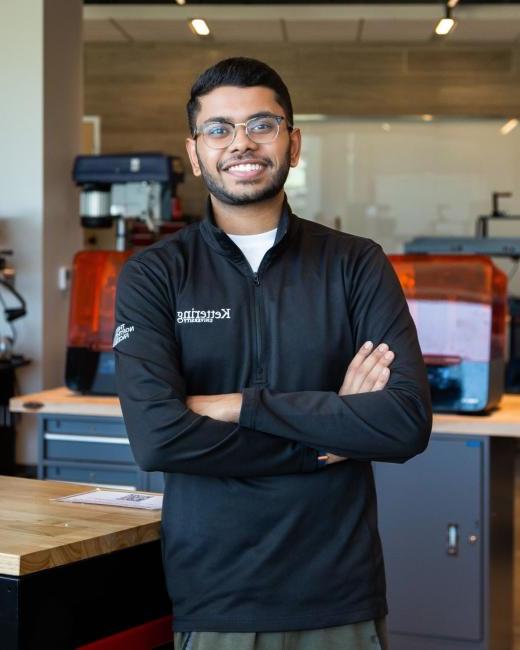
86,426
108,449
126,478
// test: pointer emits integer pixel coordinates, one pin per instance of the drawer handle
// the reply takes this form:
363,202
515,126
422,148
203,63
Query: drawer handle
72,438
453,539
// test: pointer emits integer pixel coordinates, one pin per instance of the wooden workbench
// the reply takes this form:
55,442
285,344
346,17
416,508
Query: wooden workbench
72,574
38,533
62,401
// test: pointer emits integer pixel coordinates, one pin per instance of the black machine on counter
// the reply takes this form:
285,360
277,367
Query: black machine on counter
127,189
458,303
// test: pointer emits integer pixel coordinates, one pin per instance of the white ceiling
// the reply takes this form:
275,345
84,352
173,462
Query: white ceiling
299,23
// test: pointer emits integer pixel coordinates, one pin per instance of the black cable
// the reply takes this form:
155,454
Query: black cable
23,306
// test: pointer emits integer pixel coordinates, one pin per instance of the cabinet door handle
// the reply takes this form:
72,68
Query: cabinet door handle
71,437
452,547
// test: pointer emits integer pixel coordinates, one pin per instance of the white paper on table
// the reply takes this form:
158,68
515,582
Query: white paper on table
451,328
117,498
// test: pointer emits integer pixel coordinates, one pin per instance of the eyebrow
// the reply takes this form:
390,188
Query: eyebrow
229,120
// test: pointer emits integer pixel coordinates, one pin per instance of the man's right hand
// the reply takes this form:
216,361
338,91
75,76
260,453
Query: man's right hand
367,372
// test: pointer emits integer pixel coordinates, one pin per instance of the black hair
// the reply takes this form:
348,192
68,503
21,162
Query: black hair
243,73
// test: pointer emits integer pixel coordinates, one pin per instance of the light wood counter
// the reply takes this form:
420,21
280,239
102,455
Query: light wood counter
37,533
504,421
62,401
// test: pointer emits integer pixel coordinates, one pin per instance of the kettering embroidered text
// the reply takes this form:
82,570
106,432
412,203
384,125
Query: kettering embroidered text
198,316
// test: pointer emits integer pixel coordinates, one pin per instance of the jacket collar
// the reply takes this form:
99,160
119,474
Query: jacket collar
219,241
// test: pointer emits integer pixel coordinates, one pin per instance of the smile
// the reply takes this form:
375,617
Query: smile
245,167
246,170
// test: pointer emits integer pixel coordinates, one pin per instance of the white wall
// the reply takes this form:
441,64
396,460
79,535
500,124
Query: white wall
40,114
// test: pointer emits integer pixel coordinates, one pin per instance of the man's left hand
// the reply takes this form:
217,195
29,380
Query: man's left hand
219,407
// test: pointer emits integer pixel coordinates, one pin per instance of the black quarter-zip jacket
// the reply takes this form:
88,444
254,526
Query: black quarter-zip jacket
256,536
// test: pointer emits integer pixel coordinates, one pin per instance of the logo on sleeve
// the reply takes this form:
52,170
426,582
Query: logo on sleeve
203,316
121,333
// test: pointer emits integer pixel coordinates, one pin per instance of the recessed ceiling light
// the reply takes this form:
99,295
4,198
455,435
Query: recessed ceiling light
199,26
509,126
386,127
309,117
183,2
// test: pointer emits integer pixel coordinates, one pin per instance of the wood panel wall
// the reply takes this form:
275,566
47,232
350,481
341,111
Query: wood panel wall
140,90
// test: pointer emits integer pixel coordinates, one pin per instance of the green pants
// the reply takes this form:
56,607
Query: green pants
368,635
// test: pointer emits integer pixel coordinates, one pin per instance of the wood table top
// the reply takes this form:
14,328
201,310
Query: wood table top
503,421
38,533
62,401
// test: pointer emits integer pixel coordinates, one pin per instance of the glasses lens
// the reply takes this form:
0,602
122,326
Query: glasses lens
217,134
262,129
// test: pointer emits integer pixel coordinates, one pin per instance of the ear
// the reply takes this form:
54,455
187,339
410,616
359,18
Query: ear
296,146
191,148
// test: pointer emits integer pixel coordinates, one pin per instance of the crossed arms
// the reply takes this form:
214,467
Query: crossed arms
367,372
264,432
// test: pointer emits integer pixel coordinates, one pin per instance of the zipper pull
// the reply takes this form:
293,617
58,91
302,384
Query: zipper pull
256,279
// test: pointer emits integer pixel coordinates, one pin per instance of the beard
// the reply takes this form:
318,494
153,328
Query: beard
252,194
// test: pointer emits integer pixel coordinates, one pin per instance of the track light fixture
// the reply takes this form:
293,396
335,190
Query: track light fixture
446,24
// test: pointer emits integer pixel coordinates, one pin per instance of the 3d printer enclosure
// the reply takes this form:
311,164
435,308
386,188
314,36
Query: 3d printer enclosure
459,305
90,364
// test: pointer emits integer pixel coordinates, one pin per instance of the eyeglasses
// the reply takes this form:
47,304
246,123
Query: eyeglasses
262,130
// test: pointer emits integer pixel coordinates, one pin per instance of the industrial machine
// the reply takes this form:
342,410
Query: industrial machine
459,305
130,190
128,187
483,244
7,277
14,307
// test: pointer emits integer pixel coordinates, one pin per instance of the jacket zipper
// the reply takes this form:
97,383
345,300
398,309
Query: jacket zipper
259,372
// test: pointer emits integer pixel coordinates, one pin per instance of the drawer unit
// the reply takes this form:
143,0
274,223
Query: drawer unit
66,446
94,426
88,449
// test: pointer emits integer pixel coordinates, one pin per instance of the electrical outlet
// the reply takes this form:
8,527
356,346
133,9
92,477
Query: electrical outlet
63,278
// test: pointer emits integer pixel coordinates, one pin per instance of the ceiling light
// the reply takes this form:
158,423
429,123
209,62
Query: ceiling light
183,2
451,3
386,127
509,126
309,117
446,24
427,117
199,26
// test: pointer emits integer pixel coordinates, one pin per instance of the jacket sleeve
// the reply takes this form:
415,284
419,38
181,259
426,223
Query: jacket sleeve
164,434
390,425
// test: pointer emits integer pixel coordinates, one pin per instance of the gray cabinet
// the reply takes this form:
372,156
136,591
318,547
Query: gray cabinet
91,450
445,520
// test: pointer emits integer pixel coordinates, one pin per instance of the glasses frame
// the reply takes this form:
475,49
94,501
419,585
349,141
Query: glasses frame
199,130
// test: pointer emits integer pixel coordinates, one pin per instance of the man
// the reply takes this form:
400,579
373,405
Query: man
246,378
